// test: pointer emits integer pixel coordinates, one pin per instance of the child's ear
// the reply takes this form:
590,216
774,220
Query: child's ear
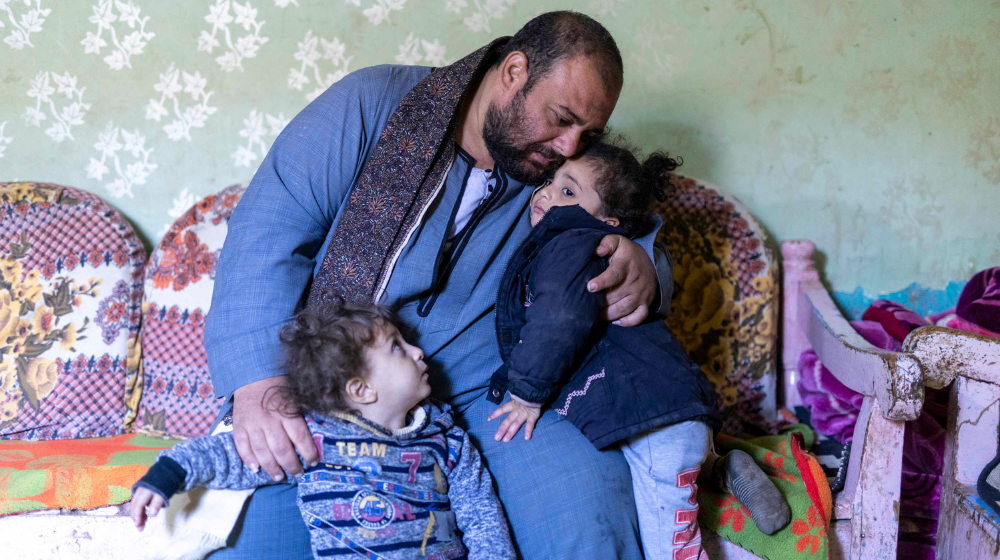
359,391
613,222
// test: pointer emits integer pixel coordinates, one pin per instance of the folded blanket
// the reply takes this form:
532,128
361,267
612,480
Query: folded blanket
979,304
73,473
800,480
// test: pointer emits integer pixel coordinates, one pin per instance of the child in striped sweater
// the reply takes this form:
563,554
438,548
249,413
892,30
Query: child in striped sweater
396,477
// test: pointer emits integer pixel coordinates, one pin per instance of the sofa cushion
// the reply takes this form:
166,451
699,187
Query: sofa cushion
178,398
724,308
74,473
69,314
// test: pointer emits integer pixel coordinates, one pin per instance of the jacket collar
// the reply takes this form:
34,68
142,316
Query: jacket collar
562,218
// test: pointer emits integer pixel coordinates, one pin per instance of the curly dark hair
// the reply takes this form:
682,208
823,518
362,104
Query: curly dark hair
324,349
627,187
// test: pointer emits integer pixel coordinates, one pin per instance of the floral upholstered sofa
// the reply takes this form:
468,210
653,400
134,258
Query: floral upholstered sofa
96,342
74,267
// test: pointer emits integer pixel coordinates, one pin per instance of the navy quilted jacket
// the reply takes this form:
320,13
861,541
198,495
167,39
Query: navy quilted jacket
611,382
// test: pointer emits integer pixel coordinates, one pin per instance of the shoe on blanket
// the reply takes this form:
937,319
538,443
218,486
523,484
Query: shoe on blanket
740,475
988,484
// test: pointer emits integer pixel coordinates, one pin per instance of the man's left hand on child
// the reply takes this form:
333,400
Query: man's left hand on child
629,283
518,414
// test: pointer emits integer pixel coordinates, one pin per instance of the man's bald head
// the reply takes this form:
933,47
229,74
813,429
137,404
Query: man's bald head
558,36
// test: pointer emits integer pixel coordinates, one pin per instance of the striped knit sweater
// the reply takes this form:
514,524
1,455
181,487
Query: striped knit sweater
418,492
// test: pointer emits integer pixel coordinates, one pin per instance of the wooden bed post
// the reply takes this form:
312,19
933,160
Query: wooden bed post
798,266
873,483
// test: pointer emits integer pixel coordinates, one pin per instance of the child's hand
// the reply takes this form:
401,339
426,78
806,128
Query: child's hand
518,414
142,499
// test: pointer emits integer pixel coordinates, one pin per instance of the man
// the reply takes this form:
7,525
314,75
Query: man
411,188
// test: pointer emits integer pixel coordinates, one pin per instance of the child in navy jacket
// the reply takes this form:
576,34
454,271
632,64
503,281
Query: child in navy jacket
396,477
634,386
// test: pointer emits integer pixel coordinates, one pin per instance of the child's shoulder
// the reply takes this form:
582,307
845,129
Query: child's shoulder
576,245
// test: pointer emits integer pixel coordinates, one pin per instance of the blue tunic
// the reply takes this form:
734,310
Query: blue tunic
277,236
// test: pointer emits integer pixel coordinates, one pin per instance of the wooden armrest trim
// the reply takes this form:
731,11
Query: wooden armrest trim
895,379
946,353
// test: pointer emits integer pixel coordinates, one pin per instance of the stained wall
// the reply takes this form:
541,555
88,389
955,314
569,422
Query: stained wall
868,127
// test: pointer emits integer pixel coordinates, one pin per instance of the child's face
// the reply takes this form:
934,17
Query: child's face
397,372
574,183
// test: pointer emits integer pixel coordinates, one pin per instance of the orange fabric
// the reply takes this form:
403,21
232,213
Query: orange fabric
73,473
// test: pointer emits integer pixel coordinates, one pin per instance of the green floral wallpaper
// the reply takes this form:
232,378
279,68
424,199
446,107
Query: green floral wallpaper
872,128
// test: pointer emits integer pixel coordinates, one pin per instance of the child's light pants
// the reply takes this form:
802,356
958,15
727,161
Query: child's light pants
665,463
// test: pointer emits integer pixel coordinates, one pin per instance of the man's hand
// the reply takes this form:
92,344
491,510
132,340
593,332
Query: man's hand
145,503
518,414
265,437
629,282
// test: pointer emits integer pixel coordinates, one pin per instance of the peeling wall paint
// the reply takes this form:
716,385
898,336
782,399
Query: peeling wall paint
923,301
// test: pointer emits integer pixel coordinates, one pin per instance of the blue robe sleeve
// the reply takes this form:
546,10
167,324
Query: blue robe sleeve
276,232
663,264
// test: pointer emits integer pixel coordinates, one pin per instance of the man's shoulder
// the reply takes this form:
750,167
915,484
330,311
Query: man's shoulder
357,106
384,83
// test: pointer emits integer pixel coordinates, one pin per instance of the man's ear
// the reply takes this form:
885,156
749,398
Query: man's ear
359,391
513,73
613,222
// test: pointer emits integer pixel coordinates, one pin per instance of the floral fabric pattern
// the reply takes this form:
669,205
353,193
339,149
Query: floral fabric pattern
67,358
118,312
725,302
178,397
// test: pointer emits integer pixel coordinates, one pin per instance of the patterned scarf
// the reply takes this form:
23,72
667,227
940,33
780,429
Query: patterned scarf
398,182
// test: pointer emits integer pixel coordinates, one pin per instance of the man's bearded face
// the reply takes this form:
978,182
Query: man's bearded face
507,134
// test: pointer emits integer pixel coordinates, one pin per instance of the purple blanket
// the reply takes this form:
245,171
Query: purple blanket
835,408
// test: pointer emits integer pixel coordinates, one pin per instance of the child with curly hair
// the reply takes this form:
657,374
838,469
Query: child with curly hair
396,478
634,386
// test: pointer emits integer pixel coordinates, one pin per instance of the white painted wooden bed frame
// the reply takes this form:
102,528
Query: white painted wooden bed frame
865,521
865,515
966,529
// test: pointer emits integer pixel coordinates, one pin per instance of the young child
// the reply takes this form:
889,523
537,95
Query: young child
632,385
395,476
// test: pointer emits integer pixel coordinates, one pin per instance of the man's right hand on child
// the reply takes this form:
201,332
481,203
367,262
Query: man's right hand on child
145,503
267,438
518,414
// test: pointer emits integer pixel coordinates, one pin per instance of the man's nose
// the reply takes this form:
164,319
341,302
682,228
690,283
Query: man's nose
568,144
418,354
